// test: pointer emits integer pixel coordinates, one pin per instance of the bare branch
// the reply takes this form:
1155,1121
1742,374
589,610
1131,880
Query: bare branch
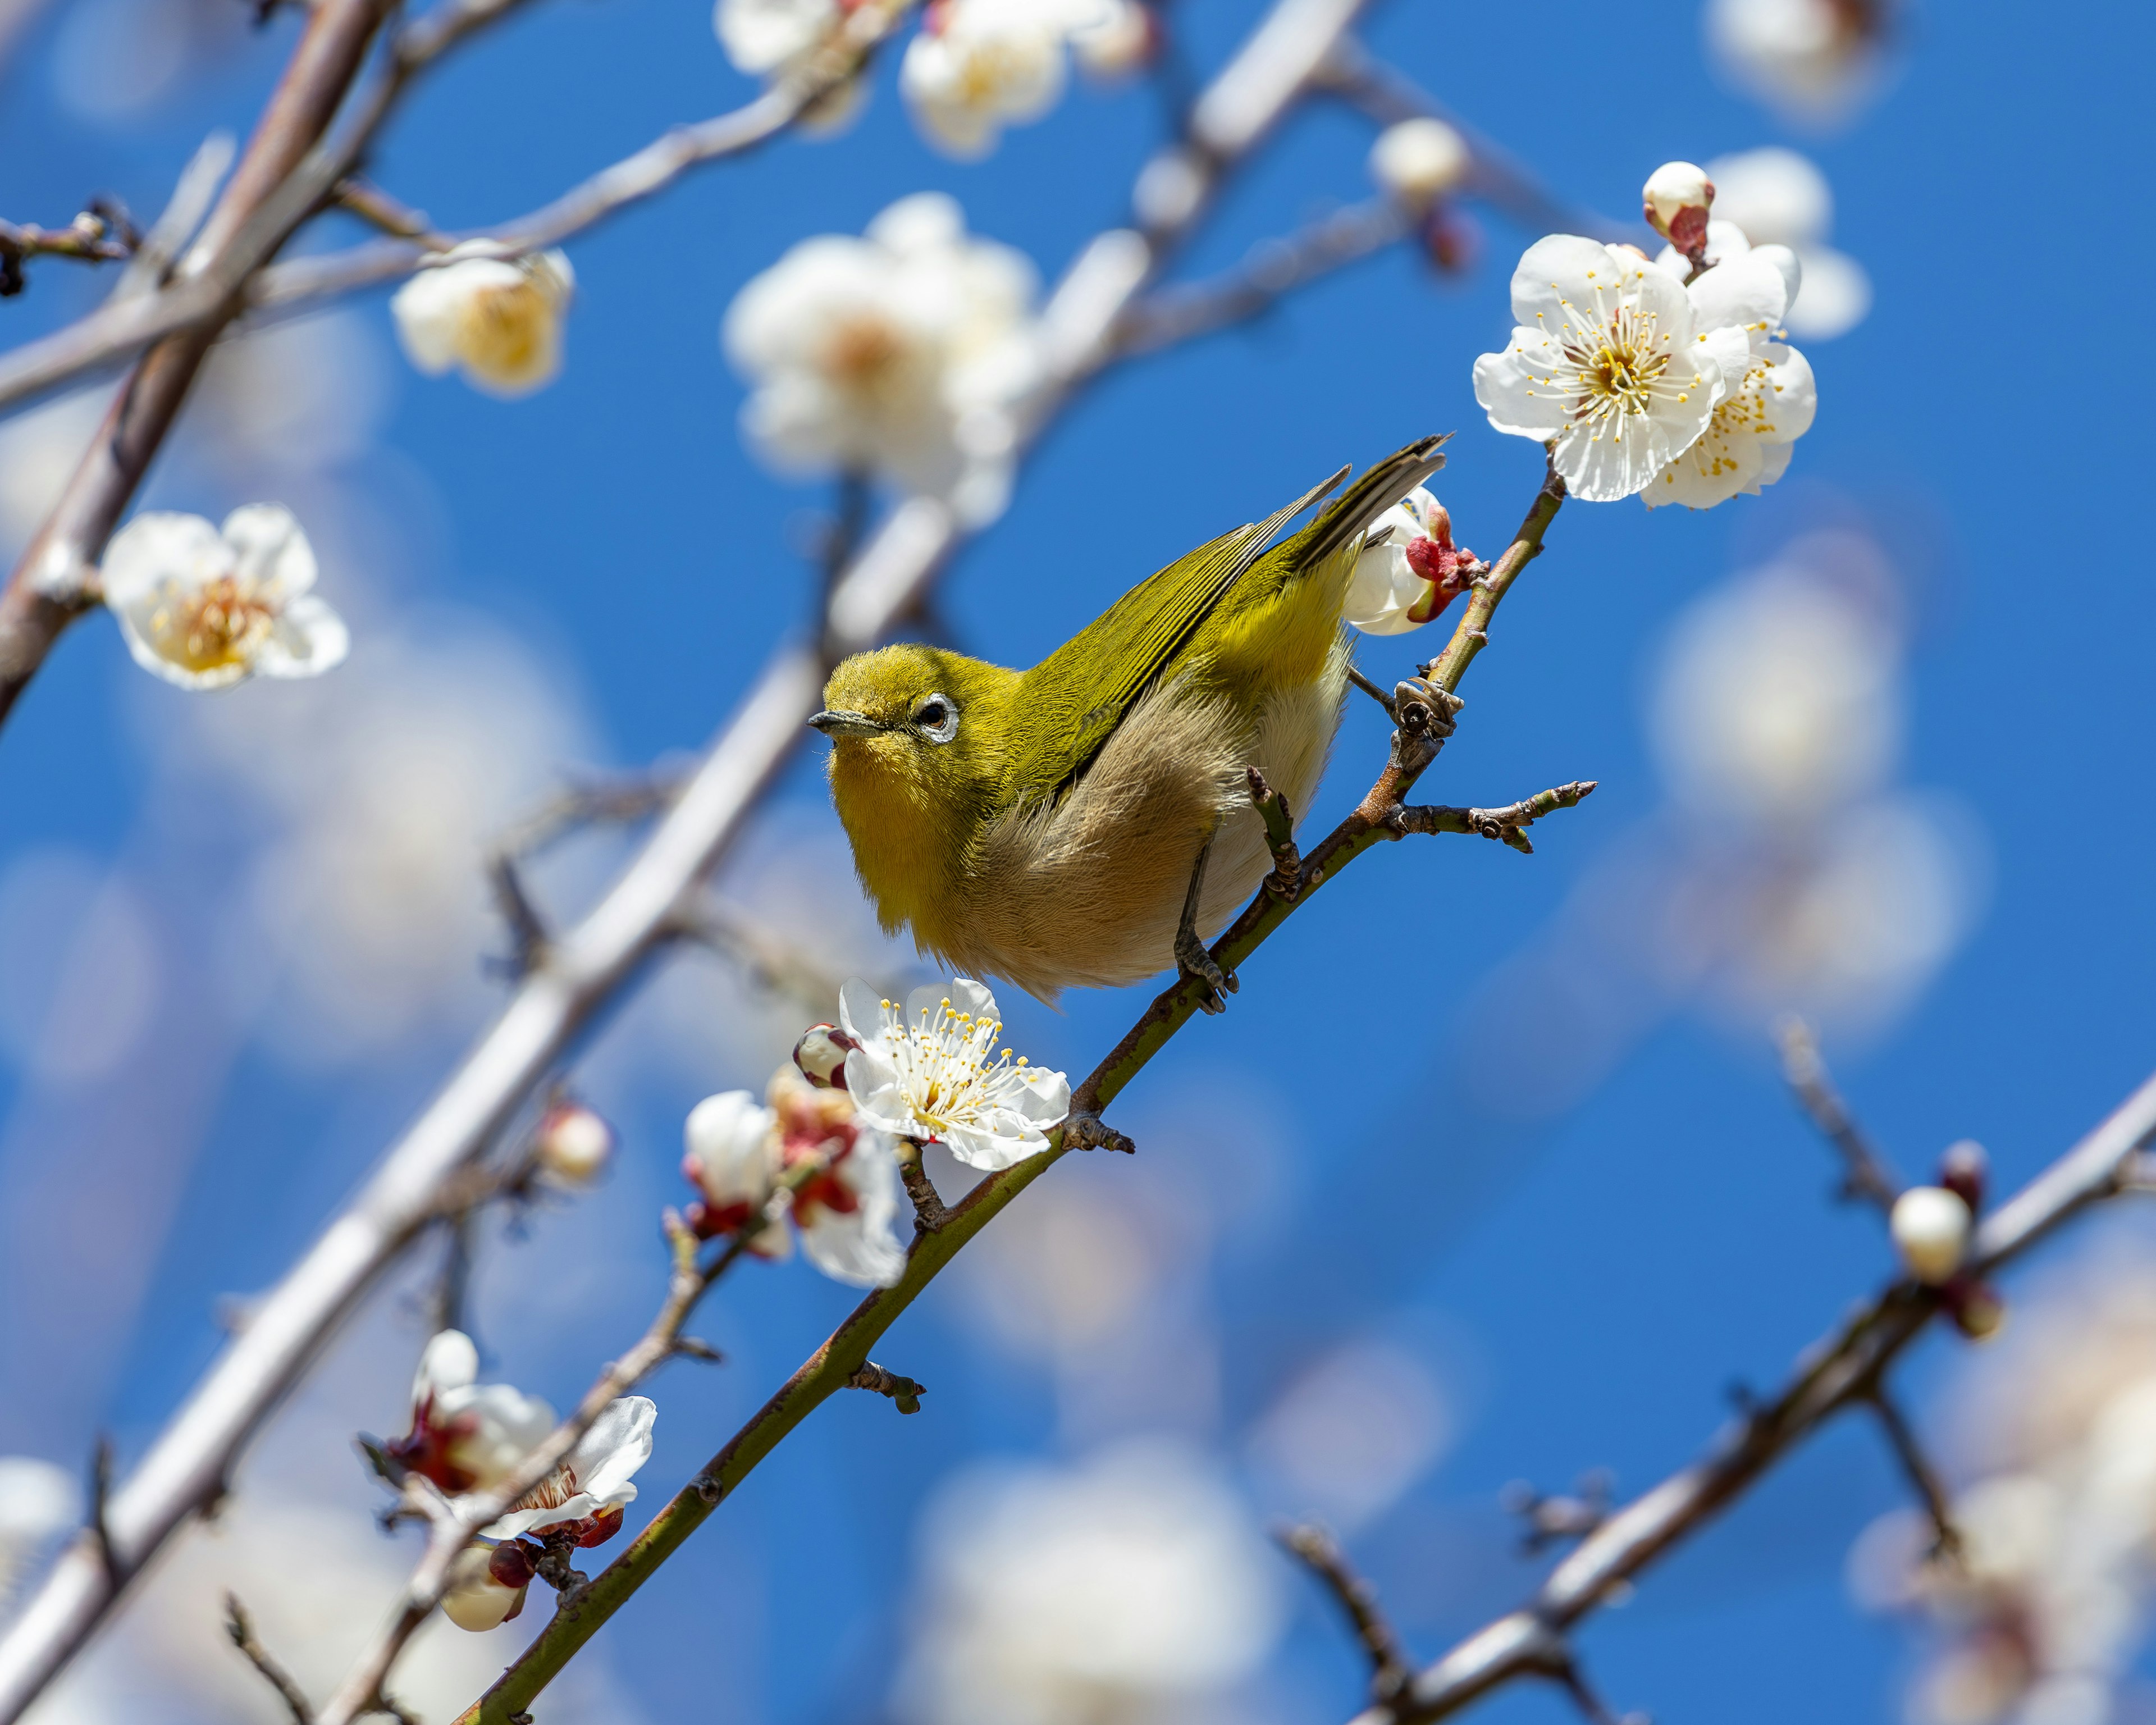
376,208
96,236
1841,1369
1507,825
1867,1174
1551,1517
1370,688
905,1392
1390,1666
242,1631
1922,1476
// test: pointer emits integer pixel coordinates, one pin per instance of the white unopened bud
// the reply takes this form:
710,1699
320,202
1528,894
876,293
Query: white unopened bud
821,1054
1122,39
1930,1226
1675,203
574,1144
475,1600
1419,161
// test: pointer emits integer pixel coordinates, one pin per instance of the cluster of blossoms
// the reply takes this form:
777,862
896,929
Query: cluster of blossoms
1641,380
906,354
207,607
929,1073
2037,1618
468,1437
976,67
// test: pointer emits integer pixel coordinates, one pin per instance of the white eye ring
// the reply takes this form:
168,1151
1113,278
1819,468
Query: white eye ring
943,727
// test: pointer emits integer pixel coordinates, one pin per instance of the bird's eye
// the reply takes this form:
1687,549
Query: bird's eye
937,717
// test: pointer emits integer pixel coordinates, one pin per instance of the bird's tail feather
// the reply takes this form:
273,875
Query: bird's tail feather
1382,485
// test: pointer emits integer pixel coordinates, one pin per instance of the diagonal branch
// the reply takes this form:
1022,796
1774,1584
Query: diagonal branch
1841,1369
591,965
1390,1666
241,1629
1424,723
1507,825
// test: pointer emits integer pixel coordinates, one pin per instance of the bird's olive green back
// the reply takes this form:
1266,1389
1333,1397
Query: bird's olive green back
1071,702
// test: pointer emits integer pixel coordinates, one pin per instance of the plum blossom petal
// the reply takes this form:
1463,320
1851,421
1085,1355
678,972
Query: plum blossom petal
594,1482
932,1072
206,606
762,36
467,1436
1409,569
731,1153
980,65
498,320
1604,364
848,1220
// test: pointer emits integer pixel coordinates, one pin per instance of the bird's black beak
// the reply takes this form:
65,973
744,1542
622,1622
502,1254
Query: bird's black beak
841,724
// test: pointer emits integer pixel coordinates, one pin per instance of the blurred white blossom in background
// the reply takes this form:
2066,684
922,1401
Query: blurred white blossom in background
2053,1430
1814,61
977,66
1787,872
38,1501
306,395
362,915
761,36
1128,1590
498,320
904,355
39,450
1352,1433
207,607
1774,196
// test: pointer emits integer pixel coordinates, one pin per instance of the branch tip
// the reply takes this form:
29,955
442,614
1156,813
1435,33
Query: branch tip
905,1392
1320,1554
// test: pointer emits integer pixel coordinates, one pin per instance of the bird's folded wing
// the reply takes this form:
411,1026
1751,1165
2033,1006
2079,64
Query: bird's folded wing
1083,691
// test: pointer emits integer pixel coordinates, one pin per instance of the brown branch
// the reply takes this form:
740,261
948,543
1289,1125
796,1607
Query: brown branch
100,1499
1390,1666
930,1212
1507,825
1923,1478
905,1392
378,209
1368,687
1867,1174
101,234
242,1631
1839,1370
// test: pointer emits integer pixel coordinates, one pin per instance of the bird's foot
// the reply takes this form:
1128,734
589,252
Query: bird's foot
1084,1130
1193,960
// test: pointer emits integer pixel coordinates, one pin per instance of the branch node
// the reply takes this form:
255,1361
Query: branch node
1551,1516
1083,1129
930,1212
905,1392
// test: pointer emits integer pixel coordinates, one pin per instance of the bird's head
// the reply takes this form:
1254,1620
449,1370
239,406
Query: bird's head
920,735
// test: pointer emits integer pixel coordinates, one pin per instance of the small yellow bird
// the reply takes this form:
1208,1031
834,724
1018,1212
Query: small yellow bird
1088,823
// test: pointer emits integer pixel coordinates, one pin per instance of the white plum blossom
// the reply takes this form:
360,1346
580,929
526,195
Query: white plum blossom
846,1211
1770,396
1814,59
594,1482
903,354
1605,363
933,1073
207,607
1117,38
468,1437
979,65
1775,197
498,320
1131,1589
762,36
1419,161
574,1143
1409,569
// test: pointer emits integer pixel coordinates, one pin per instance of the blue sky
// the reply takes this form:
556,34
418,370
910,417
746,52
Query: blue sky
1585,1285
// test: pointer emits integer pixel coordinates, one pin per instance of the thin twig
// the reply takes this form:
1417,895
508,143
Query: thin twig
1552,1517
92,238
1507,825
238,1625
1285,880
1371,689
1389,1666
1923,1476
1837,1371
930,1212
379,209
1867,1173
101,1498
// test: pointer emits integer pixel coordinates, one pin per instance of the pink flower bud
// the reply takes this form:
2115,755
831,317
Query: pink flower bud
511,1563
574,1143
1977,1309
1675,203
821,1054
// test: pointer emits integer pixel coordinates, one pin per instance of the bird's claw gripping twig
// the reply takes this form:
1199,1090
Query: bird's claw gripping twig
1193,960
1083,1129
